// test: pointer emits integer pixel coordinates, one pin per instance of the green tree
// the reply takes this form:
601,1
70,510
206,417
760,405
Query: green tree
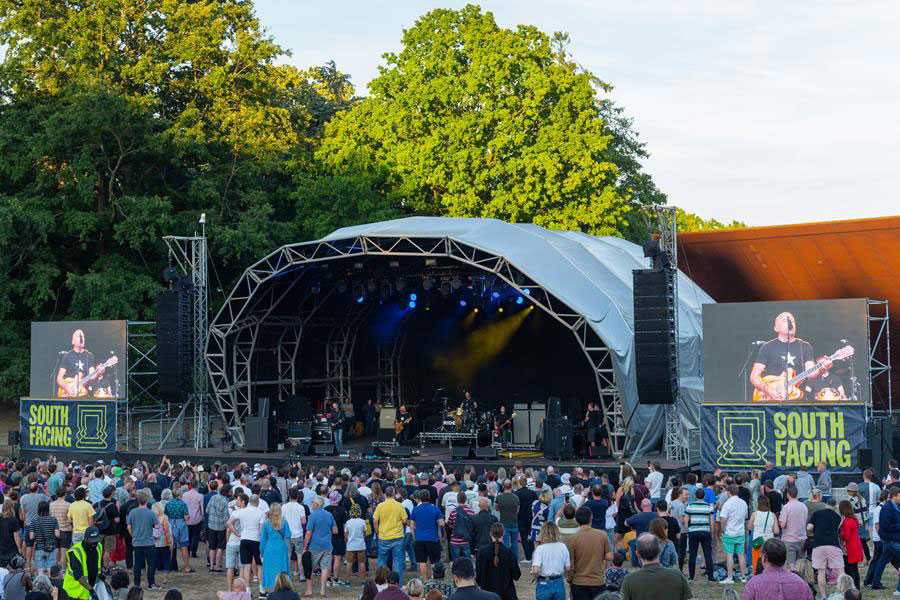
471,119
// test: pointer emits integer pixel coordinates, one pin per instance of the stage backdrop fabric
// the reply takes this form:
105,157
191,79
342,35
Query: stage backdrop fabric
738,438
68,425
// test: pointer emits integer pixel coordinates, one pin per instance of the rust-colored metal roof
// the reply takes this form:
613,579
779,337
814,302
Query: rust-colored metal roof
840,259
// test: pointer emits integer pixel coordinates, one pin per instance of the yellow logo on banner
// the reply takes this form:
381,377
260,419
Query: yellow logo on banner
49,425
735,455
808,438
91,418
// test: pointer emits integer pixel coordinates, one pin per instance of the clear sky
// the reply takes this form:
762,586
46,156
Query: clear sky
767,111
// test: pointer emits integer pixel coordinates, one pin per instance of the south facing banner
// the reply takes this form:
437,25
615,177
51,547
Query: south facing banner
68,425
747,437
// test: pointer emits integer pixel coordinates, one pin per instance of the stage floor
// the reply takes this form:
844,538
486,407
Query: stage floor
360,454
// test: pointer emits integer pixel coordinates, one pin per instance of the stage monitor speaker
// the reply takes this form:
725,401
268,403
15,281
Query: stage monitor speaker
323,449
386,417
655,337
460,452
258,434
400,452
487,452
301,448
174,343
864,458
13,437
558,439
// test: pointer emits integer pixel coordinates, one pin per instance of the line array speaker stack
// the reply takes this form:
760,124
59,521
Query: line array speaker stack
880,436
174,342
655,337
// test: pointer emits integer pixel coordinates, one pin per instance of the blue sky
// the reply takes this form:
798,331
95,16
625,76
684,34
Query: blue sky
767,112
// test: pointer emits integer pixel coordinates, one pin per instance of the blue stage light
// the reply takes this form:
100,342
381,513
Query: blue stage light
360,299
412,304
495,295
520,300
526,291
462,303
413,297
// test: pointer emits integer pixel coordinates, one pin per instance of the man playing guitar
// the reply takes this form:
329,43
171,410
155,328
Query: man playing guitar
401,426
337,418
785,353
503,425
77,370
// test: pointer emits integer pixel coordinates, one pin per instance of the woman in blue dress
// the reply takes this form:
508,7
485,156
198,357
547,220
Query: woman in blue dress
274,545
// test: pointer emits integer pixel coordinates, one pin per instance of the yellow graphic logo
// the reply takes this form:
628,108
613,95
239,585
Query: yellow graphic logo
92,433
741,435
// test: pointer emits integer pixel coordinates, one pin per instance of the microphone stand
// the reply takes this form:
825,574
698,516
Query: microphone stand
744,373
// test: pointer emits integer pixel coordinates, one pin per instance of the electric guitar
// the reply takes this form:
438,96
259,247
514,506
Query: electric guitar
506,423
790,379
76,387
401,423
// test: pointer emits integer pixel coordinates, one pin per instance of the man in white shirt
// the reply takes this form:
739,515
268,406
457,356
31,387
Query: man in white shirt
295,514
654,481
732,519
250,518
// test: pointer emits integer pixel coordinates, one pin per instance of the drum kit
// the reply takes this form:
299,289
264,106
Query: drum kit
465,418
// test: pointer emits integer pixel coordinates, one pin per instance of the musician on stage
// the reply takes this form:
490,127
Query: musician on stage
337,418
503,426
402,423
594,430
76,364
784,352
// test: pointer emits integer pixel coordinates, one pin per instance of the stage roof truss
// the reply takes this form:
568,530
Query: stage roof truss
234,405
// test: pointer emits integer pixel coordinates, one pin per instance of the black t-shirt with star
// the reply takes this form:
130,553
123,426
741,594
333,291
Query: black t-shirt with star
776,355
76,363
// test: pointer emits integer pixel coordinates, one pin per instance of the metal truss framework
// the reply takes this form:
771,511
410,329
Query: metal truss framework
237,313
879,318
142,382
388,388
339,356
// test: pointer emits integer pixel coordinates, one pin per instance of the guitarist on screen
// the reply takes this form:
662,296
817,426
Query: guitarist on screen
784,354
77,365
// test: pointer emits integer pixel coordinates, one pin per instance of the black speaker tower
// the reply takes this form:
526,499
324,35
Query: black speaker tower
174,341
655,335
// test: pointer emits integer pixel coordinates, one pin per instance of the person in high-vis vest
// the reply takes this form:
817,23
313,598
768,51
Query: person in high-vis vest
83,567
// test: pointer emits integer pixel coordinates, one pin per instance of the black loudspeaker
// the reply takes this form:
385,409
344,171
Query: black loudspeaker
558,439
864,458
258,434
554,407
400,451
301,448
655,337
386,424
488,452
13,437
323,449
459,452
880,434
174,342
295,408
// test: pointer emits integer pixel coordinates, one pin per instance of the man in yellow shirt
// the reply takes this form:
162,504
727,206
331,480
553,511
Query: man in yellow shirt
81,514
390,517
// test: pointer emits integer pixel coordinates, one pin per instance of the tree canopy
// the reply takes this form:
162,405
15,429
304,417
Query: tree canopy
121,122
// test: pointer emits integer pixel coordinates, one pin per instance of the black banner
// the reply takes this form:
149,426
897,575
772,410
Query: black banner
68,425
737,438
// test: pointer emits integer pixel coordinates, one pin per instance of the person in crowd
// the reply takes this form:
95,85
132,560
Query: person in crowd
275,549
775,581
698,520
83,565
44,532
763,526
870,492
426,522
483,520
119,582
135,593
17,581
216,511
282,588
356,530
565,521
732,520
668,556
654,481
414,589
390,518
652,581
141,522
81,514
507,504
625,508
462,529
497,568
393,591
162,538
370,589
177,511
826,545
549,564
320,526
59,509
792,520
850,541
823,483
616,573
526,496
438,582
589,552
463,571
860,504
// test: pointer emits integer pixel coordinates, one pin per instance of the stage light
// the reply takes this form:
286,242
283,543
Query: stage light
412,303
463,303
500,309
495,295
519,299
413,297
526,291
360,299
476,310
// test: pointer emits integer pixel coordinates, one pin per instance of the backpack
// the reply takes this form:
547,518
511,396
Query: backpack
101,517
463,527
